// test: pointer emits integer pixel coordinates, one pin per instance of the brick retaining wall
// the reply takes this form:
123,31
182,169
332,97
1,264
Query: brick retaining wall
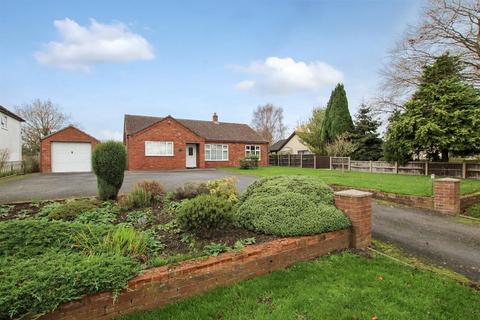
469,200
160,286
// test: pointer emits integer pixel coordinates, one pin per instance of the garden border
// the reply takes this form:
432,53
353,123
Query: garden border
160,286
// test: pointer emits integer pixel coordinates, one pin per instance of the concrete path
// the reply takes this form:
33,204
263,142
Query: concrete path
441,239
58,185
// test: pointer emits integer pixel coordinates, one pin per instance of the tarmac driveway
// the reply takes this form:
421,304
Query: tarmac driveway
67,185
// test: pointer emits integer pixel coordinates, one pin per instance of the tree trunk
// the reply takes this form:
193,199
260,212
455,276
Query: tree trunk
444,155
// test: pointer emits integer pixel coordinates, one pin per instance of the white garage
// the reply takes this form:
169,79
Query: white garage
71,156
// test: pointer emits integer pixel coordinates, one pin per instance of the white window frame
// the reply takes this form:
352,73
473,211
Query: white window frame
4,121
257,150
211,146
148,152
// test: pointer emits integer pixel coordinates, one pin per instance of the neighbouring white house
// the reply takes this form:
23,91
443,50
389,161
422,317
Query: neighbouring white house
291,145
11,134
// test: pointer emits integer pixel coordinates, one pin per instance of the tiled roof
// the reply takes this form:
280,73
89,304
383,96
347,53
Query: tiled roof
212,131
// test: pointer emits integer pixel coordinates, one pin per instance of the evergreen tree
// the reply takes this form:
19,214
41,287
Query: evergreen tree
365,136
441,119
310,133
337,115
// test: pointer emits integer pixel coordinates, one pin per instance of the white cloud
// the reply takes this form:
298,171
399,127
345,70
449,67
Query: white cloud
111,135
84,46
286,76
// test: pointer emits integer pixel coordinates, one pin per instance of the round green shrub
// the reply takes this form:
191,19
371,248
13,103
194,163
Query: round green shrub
70,209
109,161
204,212
289,214
316,190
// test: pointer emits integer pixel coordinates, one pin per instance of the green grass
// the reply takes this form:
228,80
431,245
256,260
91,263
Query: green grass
402,184
338,286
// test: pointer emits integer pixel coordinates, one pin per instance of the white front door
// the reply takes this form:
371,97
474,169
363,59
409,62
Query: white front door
191,155
71,157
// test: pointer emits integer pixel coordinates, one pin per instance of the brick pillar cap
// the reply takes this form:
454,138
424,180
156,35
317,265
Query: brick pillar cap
353,193
448,180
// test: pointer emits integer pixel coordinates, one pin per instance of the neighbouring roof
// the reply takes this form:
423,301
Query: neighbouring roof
277,146
220,131
10,114
71,126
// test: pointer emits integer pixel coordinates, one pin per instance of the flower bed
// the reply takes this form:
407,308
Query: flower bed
68,249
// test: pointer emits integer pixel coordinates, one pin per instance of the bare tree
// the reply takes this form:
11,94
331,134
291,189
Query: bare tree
268,122
444,25
41,119
341,146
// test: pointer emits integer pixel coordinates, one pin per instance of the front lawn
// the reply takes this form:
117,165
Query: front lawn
402,184
338,286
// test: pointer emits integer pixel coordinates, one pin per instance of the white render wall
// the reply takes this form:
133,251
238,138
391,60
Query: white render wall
11,139
293,146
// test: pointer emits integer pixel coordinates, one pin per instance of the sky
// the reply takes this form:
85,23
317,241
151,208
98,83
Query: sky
99,60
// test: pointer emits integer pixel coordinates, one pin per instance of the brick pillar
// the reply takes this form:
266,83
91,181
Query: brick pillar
357,205
446,195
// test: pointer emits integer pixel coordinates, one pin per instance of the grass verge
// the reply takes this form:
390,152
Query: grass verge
401,184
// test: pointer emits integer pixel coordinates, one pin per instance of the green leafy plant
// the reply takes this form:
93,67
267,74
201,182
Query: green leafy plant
109,161
159,261
106,214
40,284
474,211
191,190
140,218
240,244
214,249
31,237
203,213
249,162
5,210
24,213
226,187
48,208
70,209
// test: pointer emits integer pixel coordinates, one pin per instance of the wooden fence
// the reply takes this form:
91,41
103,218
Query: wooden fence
12,167
465,170
299,160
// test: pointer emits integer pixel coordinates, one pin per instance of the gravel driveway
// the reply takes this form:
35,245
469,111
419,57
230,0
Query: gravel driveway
67,185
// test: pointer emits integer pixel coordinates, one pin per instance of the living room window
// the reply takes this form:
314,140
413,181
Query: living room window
159,148
216,152
252,150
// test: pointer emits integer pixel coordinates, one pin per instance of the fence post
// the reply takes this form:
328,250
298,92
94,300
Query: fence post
301,160
314,161
426,168
464,170
370,168
331,167
289,160
396,167
349,166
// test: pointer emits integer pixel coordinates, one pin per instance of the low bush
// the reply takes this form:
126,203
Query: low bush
144,194
191,190
289,214
203,213
474,211
226,187
106,214
109,161
121,240
68,210
28,238
38,285
249,162
316,190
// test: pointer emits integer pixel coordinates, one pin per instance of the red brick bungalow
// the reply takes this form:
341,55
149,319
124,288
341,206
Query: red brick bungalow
168,143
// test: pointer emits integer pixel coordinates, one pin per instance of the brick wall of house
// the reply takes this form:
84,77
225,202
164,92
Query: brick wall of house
160,286
69,134
171,130
167,130
236,152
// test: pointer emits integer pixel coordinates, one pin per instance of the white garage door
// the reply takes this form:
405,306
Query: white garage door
71,157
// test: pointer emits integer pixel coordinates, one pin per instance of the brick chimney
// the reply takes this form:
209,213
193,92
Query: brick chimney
215,117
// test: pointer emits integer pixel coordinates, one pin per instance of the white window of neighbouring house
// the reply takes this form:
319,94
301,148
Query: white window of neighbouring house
159,148
252,150
3,121
216,152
